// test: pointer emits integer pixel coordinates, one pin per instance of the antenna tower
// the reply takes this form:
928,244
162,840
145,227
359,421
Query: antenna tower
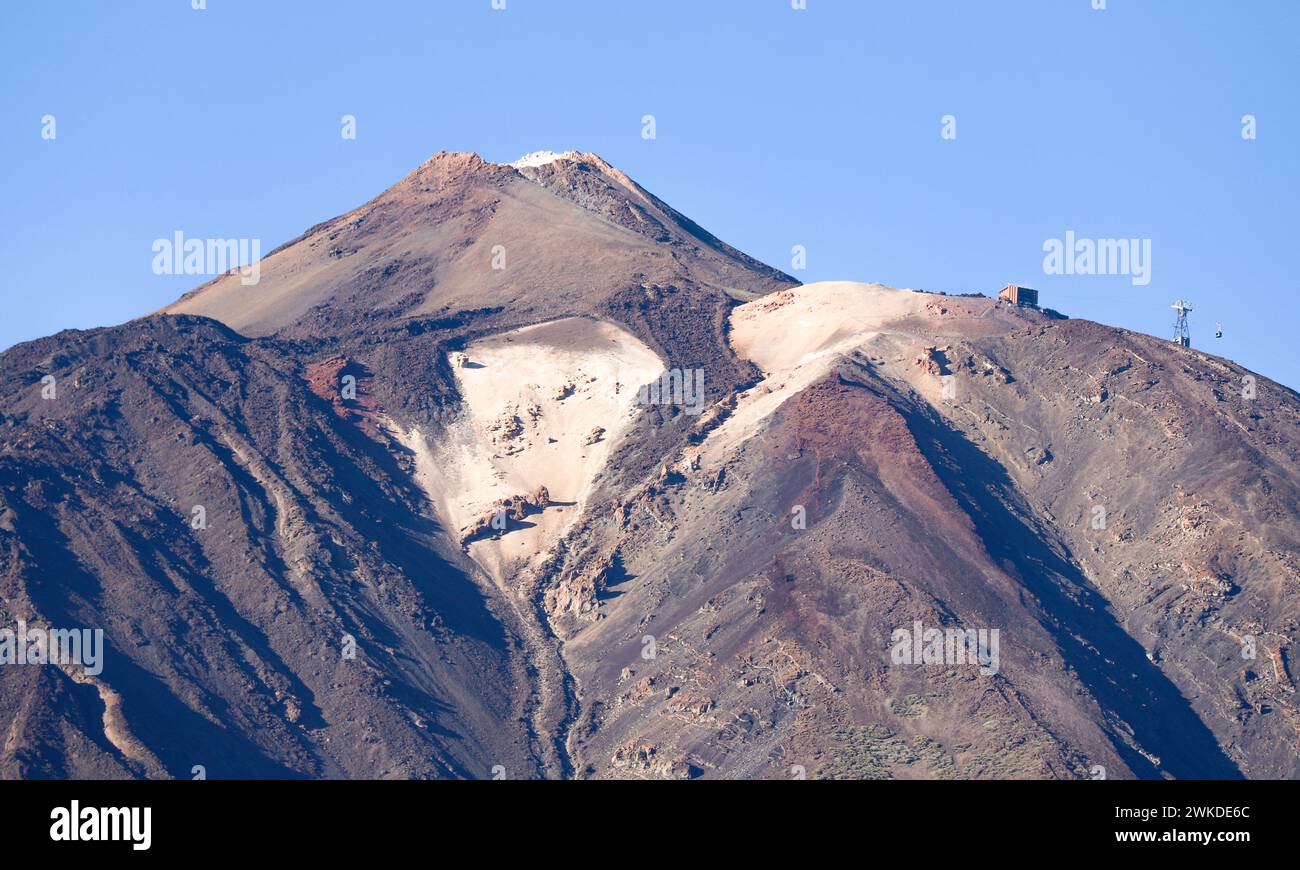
1182,337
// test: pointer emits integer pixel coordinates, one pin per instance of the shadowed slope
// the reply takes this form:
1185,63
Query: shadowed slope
313,532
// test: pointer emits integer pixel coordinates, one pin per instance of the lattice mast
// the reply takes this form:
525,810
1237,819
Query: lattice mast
1182,335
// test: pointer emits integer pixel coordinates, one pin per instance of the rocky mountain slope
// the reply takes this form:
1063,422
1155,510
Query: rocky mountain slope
845,496
516,471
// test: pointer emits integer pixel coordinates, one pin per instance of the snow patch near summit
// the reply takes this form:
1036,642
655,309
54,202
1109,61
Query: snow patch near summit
541,158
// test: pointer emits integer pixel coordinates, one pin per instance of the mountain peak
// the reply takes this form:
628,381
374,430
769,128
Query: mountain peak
449,167
574,231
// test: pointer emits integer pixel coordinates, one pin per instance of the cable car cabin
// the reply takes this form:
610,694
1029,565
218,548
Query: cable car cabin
1019,295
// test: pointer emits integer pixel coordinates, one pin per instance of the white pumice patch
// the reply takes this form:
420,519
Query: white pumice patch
542,406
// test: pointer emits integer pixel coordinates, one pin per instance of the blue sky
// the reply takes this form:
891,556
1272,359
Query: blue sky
774,127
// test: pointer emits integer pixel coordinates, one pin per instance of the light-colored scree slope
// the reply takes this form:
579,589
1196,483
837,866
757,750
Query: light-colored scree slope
787,329
542,406
795,336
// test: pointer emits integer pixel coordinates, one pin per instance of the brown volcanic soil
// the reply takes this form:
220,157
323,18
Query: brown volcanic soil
224,644
787,631
1200,489
1120,646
